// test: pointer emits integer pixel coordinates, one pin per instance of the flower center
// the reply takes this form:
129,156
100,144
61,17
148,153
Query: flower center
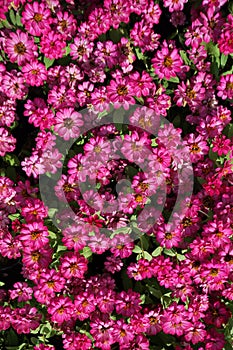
168,235
35,256
191,94
195,148
97,149
187,222
63,24
214,272
122,90
153,320
68,123
38,17
35,235
20,48
229,86
168,61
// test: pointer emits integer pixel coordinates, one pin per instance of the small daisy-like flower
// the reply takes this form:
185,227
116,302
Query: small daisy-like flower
53,45
20,47
68,123
7,142
174,5
36,18
61,309
225,87
34,73
167,62
120,92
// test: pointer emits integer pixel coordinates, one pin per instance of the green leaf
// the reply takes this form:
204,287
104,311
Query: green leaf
144,242
157,251
228,72
86,252
224,59
115,35
174,80
2,284
127,282
155,292
180,257
18,20
184,57
214,52
169,252
52,235
212,155
61,248
11,159
35,341
147,256
48,63
12,338
139,53
11,173
137,249
12,16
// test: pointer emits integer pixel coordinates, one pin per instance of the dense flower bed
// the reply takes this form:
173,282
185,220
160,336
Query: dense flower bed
65,65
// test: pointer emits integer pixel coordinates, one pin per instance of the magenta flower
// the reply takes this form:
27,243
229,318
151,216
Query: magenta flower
167,62
73,265
225,87
68,123
20,48
173,6
35,73
7,142
52,45
120,92
61,309
36,18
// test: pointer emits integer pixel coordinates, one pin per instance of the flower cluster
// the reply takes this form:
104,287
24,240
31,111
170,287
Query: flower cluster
103,265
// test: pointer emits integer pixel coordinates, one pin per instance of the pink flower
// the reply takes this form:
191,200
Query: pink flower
36,18
52,45
68,123
34,73
34,235
196,334
197,147
81,49
166,237
127,303
22,292
84,305
7,142
25,319
136,147
20,47
5,317
74,341
97,149
73,265
167,62
225,87
174,5
120,92
61,309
